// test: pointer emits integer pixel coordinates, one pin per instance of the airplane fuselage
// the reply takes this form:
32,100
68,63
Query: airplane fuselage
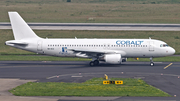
126,47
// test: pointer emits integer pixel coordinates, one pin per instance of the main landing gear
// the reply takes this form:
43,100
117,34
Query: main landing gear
94,63
151,62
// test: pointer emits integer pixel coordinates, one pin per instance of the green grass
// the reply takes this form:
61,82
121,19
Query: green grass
51,58
92,87
160,59
102,11
38,58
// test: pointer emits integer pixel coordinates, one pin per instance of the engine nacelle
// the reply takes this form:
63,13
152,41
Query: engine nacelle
113,58
124,59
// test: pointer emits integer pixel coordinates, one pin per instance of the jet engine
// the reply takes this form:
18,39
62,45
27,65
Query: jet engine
124,59
113,58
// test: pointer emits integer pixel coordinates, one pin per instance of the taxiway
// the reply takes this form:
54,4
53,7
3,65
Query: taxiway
166,79
99,26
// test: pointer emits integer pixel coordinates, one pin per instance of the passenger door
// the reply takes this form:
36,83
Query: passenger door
39,45
151,46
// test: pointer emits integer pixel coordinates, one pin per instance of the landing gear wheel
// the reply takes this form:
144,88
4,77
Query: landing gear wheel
151,64
96,62
91,63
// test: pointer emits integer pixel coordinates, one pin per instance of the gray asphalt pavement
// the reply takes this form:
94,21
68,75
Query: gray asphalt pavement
167,79
99,26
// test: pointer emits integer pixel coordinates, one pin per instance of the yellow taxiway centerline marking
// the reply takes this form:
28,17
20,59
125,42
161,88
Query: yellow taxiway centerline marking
168,65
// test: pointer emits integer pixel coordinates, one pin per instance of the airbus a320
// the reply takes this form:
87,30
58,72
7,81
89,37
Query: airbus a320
112,51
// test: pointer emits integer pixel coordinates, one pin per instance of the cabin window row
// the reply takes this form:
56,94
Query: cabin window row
97,45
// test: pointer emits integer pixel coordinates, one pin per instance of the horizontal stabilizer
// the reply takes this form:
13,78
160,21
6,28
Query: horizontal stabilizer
17,42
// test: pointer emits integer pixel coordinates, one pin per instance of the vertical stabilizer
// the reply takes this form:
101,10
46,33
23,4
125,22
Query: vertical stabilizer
20,28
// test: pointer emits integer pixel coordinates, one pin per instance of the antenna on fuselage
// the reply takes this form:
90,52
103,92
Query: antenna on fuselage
75,37
150,38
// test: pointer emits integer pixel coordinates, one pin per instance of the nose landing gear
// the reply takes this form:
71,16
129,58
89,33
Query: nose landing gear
151,62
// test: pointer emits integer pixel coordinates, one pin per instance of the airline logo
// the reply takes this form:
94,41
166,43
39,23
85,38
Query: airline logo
64,49
124,42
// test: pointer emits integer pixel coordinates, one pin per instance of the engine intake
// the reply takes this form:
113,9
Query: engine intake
113,58
124,59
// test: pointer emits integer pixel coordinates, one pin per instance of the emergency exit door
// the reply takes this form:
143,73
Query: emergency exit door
151,46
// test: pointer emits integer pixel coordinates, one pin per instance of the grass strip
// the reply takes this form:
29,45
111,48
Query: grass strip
93,11
92,87
38,58
51,58
159,59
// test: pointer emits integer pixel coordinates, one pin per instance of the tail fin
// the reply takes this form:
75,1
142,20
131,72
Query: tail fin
20,28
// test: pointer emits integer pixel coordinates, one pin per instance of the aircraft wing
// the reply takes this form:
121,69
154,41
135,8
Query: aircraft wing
90,51
97,51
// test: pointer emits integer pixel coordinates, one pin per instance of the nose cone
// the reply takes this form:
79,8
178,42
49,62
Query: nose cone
172,51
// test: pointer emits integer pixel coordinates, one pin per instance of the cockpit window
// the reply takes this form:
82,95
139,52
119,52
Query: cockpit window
164,45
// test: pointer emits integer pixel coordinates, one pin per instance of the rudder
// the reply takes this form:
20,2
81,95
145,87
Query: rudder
21,29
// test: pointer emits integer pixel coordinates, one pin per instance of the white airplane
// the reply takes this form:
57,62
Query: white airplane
112,51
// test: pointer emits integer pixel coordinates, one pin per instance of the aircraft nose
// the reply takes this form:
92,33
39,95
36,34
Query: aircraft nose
172,51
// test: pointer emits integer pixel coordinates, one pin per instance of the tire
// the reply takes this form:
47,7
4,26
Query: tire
91,63
151,64
96,62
